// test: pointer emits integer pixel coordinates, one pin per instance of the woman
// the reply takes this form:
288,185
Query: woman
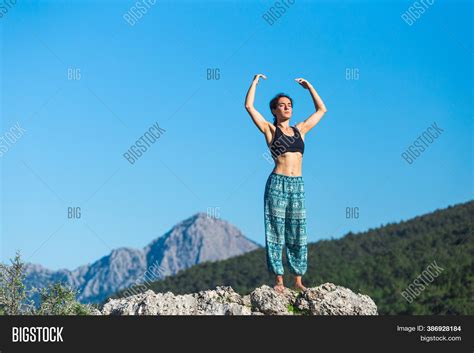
284,208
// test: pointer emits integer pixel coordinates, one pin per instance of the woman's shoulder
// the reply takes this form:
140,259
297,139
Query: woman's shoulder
299,127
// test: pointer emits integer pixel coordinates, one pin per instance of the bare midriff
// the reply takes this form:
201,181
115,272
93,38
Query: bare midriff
289,163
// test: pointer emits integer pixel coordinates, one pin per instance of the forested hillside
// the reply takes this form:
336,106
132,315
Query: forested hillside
380,262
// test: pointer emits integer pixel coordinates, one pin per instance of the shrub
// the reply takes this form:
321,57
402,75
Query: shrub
55,299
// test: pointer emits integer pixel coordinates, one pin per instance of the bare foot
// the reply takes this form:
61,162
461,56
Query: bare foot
299,287
279,287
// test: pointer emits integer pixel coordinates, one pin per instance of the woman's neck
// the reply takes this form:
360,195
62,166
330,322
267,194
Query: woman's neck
284,125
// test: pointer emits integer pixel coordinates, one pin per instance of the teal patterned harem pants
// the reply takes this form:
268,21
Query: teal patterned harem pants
285,223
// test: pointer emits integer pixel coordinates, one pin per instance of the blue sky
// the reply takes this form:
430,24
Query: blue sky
406,77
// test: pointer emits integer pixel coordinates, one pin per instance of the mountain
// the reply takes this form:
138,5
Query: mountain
195,240
386,263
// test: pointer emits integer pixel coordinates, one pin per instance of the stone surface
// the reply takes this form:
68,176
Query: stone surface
329,299
270,302
326,299
221,301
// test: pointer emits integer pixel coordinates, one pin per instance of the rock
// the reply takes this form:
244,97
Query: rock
221,301
270,302
257,313
95,312
327,299
151,303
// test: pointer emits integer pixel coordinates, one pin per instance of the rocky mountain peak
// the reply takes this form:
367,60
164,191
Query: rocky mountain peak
194,240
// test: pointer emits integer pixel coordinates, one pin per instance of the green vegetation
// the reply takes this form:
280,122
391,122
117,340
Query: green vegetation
15,298
296,311
380,262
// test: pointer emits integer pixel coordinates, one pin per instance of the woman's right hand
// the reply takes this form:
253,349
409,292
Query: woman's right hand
257,77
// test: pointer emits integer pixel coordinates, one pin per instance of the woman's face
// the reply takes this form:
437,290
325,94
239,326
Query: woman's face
283,109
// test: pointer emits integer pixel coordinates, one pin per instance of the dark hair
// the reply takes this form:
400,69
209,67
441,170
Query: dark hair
274,103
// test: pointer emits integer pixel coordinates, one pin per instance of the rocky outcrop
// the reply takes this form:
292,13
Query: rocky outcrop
326,299
197,239
329,299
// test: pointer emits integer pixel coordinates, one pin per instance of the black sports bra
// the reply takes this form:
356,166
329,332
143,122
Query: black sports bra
282,143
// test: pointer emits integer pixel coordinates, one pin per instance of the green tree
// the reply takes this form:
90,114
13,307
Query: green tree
13,294
55,299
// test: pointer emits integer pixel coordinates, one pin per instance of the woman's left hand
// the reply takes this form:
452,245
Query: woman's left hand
304,83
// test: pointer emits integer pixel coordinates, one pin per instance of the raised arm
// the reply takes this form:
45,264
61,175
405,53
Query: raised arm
319,106
258,119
